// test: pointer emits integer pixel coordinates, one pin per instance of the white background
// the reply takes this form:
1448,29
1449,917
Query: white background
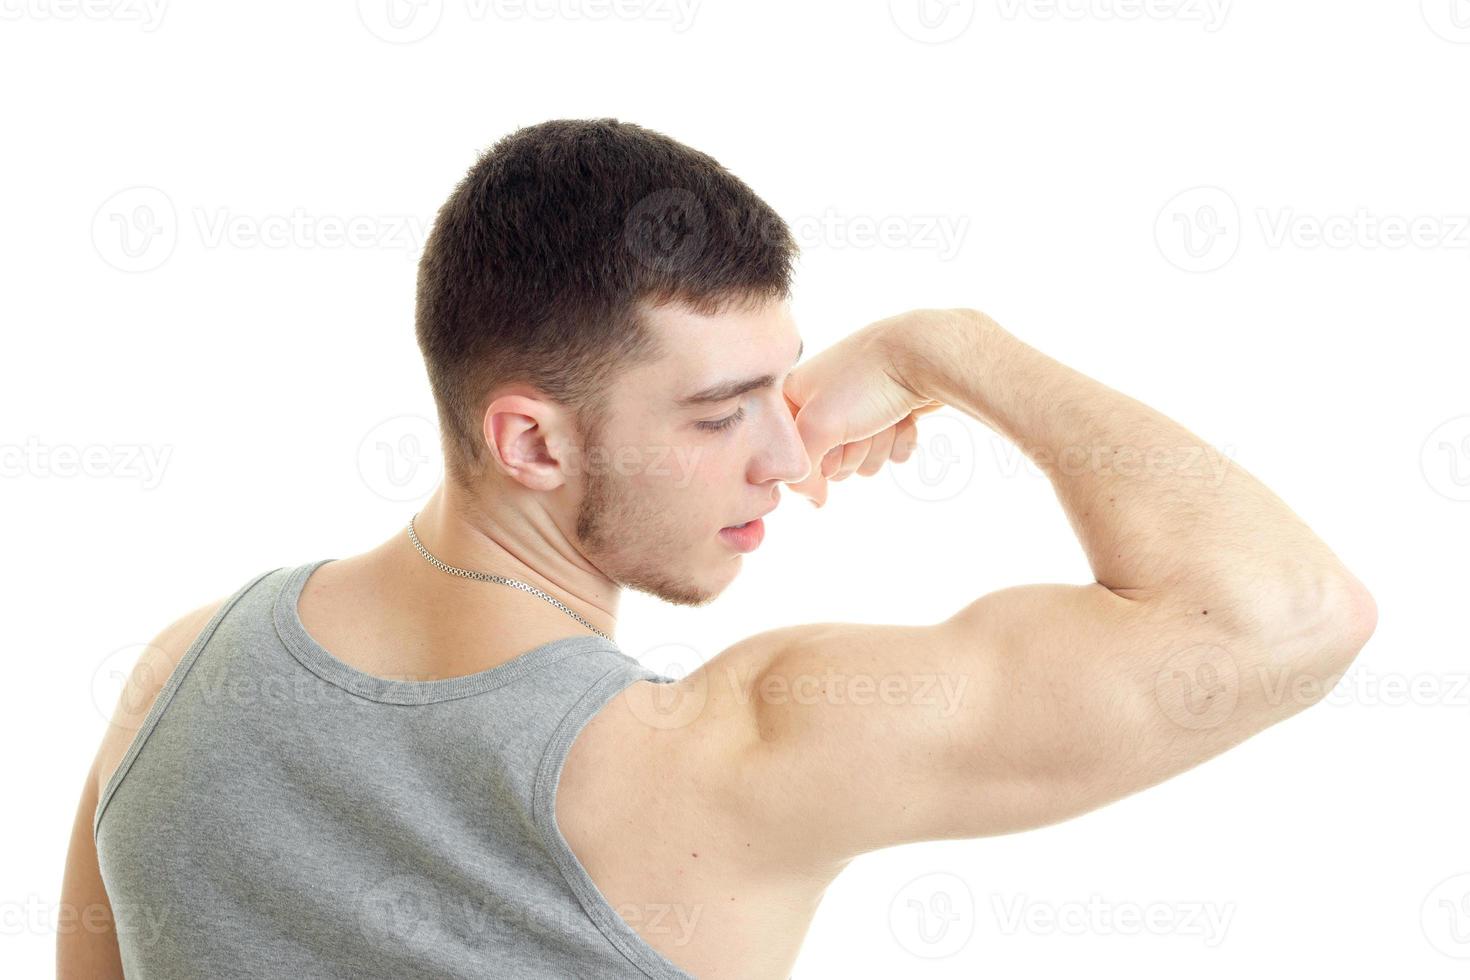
1040,162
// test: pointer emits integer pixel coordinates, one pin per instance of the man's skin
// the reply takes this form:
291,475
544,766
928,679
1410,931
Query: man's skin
714,812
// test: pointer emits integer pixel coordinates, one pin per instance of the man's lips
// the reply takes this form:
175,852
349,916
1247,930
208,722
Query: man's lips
744,539
755,518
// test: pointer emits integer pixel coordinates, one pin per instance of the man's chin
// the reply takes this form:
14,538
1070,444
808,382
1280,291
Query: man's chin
681,592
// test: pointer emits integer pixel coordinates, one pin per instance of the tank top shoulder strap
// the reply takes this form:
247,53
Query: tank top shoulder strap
621,672
171,685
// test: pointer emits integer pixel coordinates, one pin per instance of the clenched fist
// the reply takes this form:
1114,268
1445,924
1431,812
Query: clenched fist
854,404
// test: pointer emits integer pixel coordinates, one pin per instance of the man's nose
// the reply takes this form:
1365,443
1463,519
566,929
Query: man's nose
788,455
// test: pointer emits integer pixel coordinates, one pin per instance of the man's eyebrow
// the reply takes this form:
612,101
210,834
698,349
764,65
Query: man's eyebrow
726,390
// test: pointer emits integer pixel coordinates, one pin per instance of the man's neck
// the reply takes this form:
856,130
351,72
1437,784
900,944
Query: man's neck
515,546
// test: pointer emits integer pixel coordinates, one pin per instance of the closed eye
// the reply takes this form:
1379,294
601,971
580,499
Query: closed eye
719,425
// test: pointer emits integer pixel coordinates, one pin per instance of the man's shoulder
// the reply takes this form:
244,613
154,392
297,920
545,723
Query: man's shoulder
155,664
660,799
685,752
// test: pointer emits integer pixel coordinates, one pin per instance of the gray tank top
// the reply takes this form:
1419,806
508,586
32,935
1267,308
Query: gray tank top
280,813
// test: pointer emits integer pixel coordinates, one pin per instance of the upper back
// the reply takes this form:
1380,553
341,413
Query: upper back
695,822
347,824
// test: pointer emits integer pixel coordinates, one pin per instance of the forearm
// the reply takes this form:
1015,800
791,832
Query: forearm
1158,511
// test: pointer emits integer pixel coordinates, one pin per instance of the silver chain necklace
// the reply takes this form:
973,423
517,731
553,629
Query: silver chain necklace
500,579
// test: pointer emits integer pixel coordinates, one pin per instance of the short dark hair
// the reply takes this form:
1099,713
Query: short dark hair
541,260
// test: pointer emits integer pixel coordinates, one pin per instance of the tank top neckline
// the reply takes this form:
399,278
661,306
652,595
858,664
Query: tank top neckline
392,690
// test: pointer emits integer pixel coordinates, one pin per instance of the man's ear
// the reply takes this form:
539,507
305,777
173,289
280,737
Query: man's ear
530,440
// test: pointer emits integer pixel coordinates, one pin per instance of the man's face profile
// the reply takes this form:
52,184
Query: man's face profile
683,451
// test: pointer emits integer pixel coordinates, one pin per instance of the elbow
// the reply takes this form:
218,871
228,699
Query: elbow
1332,622
1359,615
1351,625
1295,661
1344,609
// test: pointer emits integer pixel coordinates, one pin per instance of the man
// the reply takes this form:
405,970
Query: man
442,775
